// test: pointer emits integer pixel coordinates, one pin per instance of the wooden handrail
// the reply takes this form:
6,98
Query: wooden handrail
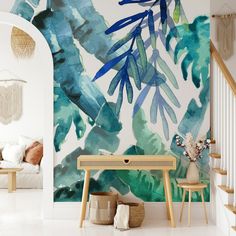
215,54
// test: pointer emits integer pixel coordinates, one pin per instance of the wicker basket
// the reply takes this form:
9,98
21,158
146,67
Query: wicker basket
102,207
136,213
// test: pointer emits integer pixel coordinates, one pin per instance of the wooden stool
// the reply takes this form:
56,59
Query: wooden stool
192,188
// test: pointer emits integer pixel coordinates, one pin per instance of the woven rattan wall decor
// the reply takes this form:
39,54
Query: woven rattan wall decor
11,97
10,102
22,44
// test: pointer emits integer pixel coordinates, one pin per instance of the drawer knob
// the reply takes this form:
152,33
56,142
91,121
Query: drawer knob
126,161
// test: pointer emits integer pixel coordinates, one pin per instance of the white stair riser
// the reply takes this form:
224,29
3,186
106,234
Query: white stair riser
217,163
219,179
212,148
230,199
227,198
225,219
214,163
221,219
231,217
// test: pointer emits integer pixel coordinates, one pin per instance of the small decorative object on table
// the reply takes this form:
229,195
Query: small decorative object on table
193,151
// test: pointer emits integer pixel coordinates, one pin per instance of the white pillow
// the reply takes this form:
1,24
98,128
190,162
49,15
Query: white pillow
29,168
8,164
13,153
26,141
42,164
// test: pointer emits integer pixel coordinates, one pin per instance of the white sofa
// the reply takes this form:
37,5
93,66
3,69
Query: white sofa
31,177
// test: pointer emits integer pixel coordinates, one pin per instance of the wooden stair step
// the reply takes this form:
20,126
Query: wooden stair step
220,171
215,155
226,189
234,228
231,208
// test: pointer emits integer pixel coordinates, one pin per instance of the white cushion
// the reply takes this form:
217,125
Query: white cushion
27,167
3,143
27,141
13,153
42,164
8,164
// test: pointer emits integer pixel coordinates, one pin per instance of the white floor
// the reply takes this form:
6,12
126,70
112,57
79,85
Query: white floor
20,215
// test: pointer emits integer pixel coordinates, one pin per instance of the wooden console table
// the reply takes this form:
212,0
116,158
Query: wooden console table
129,162
11,172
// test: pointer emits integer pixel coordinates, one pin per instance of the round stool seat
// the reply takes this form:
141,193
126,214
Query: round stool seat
193,187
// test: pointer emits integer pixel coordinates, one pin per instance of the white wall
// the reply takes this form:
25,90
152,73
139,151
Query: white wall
218,7
32,121
43,70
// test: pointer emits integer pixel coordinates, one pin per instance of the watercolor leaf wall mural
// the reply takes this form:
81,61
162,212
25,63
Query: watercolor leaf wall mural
25,9
65,113
151,185
122,87
65,53
135,64
194,42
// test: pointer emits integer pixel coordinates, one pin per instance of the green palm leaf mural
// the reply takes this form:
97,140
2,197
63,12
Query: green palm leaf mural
66,114
144,51
193,44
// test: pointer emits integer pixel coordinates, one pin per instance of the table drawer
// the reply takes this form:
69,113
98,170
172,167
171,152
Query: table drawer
126,163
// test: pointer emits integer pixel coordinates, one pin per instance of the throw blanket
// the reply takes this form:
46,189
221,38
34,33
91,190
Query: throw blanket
121,220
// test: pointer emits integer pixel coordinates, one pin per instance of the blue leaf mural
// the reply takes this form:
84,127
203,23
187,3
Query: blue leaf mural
133,1
137,48
126,21
163,7
109,65
151,26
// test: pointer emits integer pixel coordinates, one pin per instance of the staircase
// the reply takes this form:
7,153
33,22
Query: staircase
223,150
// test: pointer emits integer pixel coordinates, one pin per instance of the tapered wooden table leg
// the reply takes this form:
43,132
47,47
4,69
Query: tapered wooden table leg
169,196
84,197
167,201
182,207
204,206
10,182
14,181
189,207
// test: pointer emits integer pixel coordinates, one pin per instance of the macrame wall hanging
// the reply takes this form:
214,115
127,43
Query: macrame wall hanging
11,91
23,46
225,34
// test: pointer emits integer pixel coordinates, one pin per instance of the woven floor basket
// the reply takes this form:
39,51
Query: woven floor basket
136,214
103,207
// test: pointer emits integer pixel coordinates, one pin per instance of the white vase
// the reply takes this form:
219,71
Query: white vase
192,173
